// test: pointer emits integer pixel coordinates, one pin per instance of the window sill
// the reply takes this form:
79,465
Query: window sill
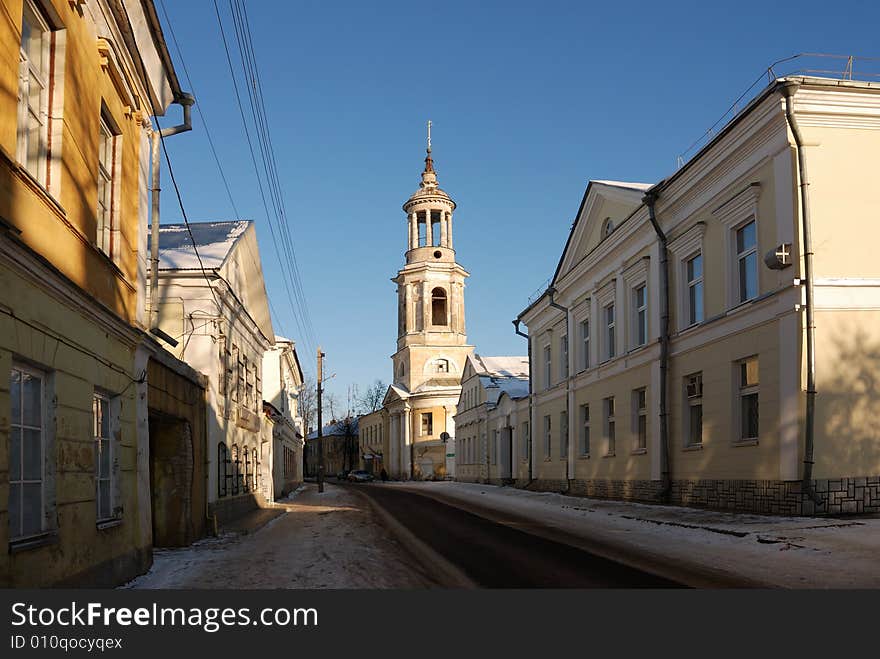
584,456
744,442
639,451
609,455
693,447
33,542
109,523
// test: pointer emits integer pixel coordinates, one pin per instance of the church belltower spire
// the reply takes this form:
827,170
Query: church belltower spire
432,346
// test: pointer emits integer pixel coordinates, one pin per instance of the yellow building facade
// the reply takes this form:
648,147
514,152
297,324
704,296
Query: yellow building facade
671,354
79,86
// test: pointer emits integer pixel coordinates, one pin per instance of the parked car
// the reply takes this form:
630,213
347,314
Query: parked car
360,476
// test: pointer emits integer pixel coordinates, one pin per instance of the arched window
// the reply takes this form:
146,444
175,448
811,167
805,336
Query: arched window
222,469
402,370
236,469
256,471
607,228
441,366
246,484
438,307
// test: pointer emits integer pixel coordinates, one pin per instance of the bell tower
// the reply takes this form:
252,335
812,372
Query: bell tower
431,337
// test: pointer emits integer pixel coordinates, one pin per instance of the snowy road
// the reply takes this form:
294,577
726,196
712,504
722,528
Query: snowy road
328,540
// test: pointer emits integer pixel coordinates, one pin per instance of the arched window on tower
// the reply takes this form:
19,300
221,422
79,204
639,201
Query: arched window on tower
442,365
401,371
438,307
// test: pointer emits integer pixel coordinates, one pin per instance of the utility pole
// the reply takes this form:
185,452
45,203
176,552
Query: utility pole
320,422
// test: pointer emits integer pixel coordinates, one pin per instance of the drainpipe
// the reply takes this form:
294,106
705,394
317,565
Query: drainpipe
665,470
788,91
552,292
186,101
531,372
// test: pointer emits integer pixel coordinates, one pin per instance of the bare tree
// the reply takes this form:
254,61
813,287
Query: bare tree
308,403
371,399
348,428
332,408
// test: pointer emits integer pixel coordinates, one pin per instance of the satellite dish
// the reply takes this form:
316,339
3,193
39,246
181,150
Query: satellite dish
444,436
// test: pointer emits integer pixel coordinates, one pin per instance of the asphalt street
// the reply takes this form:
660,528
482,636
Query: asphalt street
494,555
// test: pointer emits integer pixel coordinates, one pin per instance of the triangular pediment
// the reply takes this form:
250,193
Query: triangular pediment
395,394
603,202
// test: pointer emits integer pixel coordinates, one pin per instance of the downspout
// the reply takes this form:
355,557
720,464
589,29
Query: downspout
186,101
531,375
788,91
552,292
665,469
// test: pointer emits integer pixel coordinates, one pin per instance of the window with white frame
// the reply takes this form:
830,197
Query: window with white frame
610,429
27,447
35,69
693,413
547,436
563,356
585,430
640,315
747,378
693,271
563,435
106,470
548,367
585,344
640,418
610,335
747,261
427,424
607,228
107,138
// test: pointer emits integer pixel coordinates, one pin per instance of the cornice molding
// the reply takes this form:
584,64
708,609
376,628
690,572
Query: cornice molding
688,242
741,205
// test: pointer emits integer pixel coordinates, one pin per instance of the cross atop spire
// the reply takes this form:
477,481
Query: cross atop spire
429,162
429,136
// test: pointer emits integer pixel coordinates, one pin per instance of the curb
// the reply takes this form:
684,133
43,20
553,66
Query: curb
436,566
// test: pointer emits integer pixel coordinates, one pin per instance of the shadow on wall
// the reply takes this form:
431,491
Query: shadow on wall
848,406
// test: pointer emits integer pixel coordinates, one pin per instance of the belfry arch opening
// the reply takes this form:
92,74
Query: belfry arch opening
439,314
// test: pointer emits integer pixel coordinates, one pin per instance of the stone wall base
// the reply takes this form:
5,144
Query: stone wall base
228,509
850,495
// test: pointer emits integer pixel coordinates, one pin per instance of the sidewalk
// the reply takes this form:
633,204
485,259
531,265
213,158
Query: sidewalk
699,547
329,540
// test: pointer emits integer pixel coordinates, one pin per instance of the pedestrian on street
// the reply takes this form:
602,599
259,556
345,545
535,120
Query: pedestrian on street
383,475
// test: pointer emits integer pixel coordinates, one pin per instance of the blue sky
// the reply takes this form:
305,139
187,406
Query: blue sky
528,100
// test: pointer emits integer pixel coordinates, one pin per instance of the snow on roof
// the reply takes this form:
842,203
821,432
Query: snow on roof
338,428
504,367
214,241
625,184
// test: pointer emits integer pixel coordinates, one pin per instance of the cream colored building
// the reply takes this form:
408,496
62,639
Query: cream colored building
282,382
220,319
431,342
492,420
373,441
733,431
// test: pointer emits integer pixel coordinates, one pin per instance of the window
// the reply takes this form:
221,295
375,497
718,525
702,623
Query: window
640,315
693,409
585,344
223,473
747,261
33,95
563,357
441,366
609,331
547,437
256,473
563,436
585,430
610,430
421,219
607,228
748,399
427,424
524,432
107,138
236,470
438,307
246,481
548,369
26,452
640,418
105,458
694,276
